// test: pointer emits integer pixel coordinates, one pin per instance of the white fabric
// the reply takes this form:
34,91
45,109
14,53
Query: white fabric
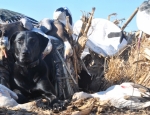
115,94
97,37
7,97
143,21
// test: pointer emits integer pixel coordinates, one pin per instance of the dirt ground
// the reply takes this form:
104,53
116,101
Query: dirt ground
91,106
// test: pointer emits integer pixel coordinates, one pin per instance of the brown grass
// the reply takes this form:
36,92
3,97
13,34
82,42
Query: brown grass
130,65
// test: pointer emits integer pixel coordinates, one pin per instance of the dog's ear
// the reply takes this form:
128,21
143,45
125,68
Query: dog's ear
11,40
43,41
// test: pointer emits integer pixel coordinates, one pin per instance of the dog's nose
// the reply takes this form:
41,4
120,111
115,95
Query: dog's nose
25,52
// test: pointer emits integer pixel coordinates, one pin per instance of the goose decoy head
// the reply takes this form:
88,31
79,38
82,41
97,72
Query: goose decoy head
61,13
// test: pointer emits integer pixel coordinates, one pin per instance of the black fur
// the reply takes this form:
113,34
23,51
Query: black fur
30,74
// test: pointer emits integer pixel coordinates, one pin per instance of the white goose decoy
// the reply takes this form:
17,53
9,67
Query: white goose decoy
8,100
60,15
7,97
104,37
143,17
126,94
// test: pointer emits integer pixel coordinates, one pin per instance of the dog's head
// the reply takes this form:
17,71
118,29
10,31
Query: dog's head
27,46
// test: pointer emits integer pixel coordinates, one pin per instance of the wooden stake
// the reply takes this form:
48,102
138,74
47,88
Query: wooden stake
130,18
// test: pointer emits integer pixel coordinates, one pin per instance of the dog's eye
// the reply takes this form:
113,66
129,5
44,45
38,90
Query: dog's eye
32,40
20,41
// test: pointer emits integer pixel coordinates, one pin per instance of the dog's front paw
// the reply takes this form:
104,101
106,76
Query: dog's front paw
59,105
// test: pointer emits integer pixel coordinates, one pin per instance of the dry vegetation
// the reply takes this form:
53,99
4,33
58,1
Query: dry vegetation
91,106
132,64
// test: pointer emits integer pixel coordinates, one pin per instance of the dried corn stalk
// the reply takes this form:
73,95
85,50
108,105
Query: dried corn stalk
83,34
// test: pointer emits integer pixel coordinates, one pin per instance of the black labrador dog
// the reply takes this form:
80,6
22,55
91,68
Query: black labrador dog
30,75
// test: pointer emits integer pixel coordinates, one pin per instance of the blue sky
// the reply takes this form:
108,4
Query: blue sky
39,9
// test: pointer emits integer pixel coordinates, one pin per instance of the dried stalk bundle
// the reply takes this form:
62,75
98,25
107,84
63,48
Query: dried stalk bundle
135,67
83,34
